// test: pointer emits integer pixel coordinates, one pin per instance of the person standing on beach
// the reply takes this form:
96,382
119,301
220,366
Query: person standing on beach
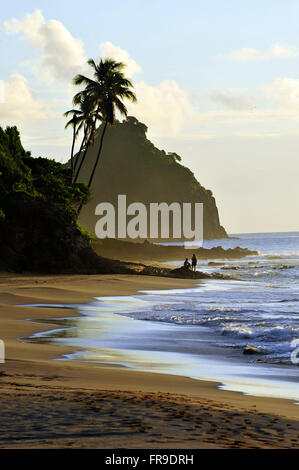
194,262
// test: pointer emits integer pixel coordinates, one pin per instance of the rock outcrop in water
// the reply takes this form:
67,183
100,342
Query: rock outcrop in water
152,252
181,273
251,350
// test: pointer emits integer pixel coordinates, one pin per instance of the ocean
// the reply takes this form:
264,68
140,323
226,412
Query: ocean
202,332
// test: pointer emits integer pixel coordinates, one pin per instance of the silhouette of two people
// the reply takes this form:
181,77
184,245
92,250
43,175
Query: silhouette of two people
188,265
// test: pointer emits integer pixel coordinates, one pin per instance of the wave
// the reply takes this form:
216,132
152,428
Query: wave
267,335
196,316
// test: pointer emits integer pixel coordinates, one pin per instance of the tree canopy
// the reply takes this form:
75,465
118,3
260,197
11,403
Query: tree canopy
40,177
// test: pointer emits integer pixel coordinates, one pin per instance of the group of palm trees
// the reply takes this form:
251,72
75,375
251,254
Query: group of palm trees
97,102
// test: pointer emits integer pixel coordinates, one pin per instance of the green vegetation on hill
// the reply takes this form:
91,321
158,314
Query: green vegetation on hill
38,177
38,229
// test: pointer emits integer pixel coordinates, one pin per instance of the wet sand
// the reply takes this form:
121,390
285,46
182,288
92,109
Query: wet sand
46,403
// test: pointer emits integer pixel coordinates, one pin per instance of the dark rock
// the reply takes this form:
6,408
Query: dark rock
149,251
188,274
250,350
232,268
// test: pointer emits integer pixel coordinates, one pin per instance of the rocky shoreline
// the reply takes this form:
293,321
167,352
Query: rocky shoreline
124,250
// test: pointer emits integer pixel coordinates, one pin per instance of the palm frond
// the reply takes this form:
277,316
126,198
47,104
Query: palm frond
81,79
71,111
121,107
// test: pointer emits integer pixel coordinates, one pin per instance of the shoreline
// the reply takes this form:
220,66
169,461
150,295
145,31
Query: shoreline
106,332
29,366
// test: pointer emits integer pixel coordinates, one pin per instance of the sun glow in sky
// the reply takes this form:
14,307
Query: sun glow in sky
217,82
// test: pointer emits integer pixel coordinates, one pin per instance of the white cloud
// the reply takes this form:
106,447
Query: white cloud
1,91
114,52
232,101
275,51
20,106
283,92
164,108
62,54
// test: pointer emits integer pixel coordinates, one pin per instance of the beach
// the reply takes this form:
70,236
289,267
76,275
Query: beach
48,403
149,244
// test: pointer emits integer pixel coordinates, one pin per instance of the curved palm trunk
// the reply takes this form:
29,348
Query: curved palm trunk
80,150
87,145
98,155
72,151
96,162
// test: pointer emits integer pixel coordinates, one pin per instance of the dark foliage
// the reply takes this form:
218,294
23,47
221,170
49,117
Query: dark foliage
39,177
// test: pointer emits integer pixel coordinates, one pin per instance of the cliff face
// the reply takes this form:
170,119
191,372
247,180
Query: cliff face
130,164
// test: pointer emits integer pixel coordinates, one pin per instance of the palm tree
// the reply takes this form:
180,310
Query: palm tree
107,90
87,118
72,122
82,119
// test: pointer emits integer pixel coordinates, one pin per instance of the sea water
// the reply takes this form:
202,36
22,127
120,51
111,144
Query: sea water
202,332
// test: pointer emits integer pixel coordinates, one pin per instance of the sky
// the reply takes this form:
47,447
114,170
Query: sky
217,82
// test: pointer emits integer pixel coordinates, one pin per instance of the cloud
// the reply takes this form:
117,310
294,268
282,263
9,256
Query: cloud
114,52
165,108
231,101
62,55
283,92
275,51
20,106
1,91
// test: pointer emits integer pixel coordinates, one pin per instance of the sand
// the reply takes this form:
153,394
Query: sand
61,404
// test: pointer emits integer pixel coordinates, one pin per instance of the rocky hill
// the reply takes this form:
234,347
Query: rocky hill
130,164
